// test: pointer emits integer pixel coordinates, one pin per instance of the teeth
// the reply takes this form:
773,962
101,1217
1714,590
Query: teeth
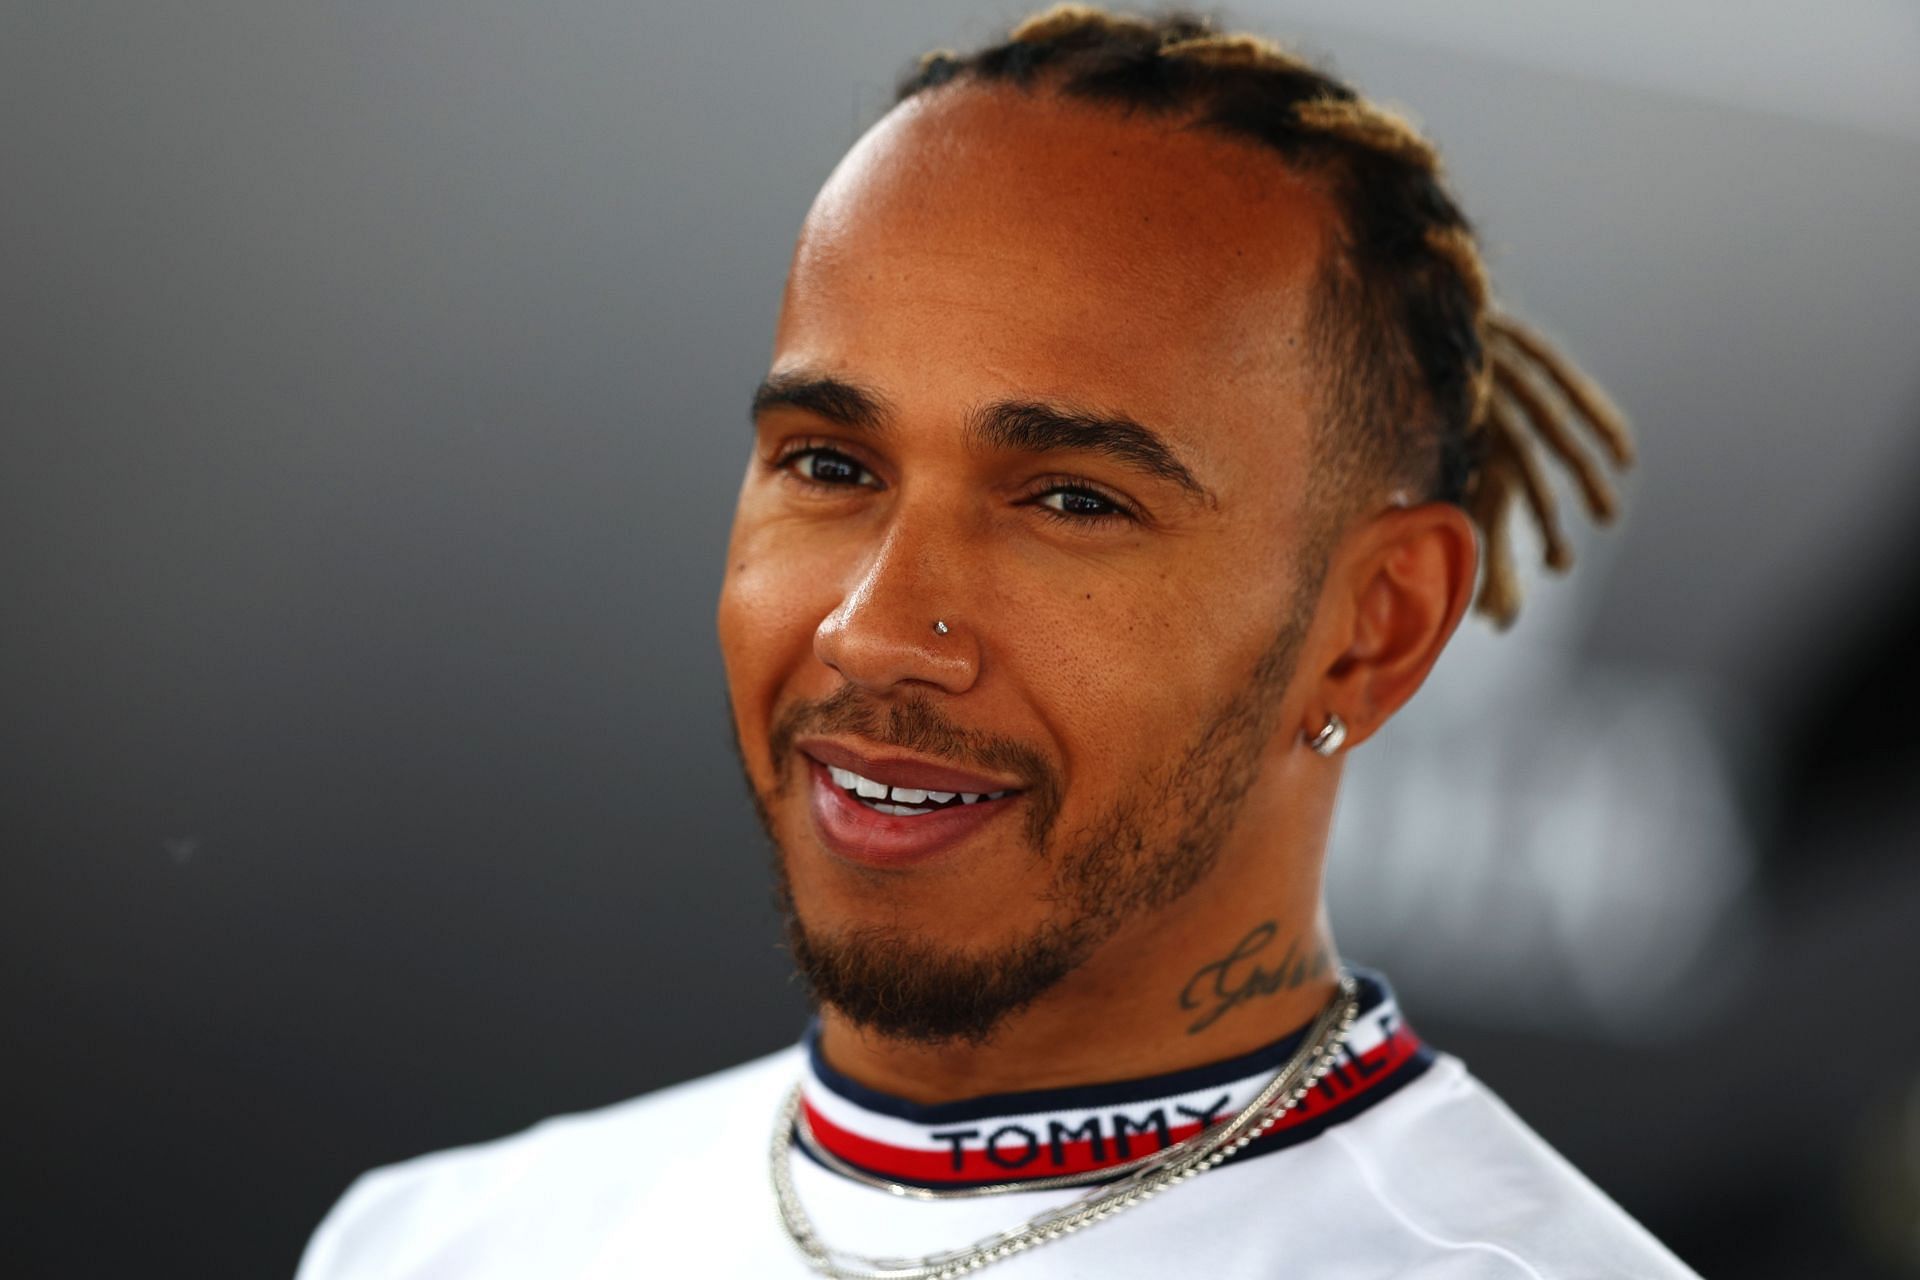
904,798
900,810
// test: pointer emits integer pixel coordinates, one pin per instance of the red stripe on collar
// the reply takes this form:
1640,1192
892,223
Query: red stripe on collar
1019,1143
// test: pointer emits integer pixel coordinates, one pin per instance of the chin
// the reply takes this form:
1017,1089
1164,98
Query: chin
895,982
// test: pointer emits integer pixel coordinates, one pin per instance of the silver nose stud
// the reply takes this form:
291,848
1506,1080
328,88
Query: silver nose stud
939,627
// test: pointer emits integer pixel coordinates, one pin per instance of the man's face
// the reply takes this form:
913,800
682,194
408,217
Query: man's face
1122,624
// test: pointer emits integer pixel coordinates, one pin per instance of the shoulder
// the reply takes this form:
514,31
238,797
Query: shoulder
557,1188
1447,1163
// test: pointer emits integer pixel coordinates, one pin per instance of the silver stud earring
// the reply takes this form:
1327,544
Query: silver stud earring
1329,739
939,627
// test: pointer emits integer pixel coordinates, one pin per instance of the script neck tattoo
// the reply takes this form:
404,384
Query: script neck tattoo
1247,971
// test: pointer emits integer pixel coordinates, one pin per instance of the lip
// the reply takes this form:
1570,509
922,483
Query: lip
900,770
856,833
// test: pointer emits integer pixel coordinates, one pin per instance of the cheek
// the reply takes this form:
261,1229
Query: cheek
770,605
1122,673
1167,649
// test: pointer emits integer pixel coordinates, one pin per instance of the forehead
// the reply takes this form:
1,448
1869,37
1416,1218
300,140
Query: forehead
981,241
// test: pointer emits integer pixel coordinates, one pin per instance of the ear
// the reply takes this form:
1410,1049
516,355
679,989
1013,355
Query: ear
1398,586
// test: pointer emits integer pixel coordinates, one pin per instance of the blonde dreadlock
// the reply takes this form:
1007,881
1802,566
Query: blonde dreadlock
1466,395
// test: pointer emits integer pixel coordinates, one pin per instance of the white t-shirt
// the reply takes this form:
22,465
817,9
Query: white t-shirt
1399,1164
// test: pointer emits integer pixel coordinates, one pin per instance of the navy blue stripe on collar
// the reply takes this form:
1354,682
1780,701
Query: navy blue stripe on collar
1267,1144
1268,1057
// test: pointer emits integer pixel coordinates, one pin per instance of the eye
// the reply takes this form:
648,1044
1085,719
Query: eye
1079,504
819,465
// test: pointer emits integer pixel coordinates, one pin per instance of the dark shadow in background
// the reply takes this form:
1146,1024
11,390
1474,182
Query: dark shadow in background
1789,1137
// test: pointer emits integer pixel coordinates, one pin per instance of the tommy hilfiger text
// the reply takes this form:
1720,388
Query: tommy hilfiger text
1015,1146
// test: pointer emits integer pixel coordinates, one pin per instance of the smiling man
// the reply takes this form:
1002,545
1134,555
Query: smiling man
1137,432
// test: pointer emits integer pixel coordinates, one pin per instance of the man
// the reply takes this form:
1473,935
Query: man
1137,430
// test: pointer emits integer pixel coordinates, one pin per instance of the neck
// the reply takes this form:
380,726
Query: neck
1221,978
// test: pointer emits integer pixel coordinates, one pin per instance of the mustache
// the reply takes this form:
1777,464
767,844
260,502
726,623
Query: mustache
916,723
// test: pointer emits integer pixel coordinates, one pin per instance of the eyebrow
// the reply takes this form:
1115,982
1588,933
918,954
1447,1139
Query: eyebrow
1026,426
840,402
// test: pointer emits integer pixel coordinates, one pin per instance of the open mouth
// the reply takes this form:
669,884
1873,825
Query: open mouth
895,824
904,802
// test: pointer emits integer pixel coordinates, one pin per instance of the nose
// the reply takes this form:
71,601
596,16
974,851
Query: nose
882,633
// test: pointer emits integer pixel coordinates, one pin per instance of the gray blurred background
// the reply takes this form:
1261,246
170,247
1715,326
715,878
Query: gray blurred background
372,402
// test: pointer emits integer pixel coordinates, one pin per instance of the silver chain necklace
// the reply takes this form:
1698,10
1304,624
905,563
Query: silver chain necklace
1140,1180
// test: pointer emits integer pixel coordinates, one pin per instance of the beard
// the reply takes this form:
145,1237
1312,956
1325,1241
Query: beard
1135,858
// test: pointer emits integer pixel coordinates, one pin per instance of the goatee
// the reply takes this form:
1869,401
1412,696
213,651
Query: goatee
1130,861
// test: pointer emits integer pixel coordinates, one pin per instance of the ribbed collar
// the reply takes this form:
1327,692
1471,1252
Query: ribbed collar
1009,1137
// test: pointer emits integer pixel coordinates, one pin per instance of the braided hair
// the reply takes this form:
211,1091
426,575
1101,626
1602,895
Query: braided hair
1431,385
